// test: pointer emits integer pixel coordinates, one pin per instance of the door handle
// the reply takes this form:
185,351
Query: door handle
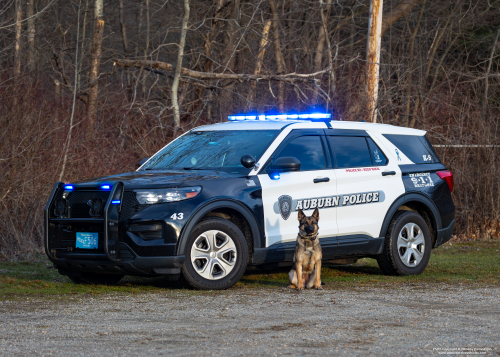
388,173
321,179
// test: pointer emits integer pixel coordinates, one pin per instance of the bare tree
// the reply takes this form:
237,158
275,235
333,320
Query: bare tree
95,63
30,13
17,43
373,56
175,83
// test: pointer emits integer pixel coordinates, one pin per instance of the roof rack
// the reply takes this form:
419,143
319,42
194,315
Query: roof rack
321,117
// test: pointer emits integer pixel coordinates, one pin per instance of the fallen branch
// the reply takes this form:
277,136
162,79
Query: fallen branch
290,77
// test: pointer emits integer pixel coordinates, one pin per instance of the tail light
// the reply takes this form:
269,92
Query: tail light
447,176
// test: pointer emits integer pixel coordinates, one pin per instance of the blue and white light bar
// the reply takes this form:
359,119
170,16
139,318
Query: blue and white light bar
309,117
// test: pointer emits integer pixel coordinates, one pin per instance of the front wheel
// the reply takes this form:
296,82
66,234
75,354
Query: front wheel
216,255
407,246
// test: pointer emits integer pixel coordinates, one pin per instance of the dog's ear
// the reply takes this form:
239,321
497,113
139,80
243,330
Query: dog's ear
316,214
301,215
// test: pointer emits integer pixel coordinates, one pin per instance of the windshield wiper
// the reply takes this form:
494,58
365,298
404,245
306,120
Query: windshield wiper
193,168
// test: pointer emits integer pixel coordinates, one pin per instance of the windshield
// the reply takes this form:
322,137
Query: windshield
212,150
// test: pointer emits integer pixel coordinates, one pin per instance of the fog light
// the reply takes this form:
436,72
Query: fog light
61,208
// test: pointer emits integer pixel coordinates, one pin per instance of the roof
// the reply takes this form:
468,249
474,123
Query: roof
304,124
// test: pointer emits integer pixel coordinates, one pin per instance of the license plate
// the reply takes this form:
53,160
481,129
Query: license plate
87,240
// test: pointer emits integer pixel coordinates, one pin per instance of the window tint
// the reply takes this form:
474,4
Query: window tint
309,151
350,151
212,150
378,157
417,148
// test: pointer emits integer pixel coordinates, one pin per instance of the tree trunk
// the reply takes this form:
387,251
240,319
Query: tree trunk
264,41
95,64
320,47
486,84
123,28
373,57
175,84
17,43
409,82
228,60
400,10
30,12
278,54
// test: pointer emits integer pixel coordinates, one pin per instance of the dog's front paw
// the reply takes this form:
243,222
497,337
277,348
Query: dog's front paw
318,287
300,288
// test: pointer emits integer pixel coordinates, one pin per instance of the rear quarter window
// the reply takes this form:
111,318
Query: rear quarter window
417,148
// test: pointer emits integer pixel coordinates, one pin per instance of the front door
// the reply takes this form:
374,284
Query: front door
313,186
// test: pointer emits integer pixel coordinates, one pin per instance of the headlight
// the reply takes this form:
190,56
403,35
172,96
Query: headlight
162,195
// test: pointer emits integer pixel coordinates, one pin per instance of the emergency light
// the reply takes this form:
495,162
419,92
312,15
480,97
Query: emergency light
322,117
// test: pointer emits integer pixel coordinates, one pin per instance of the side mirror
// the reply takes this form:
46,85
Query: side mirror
248,161
287,163
142,161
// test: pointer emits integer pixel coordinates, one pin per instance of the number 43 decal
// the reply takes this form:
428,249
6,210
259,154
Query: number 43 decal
177,216
427,157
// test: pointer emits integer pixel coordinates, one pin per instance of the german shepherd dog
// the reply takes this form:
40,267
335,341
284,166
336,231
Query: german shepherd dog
306,271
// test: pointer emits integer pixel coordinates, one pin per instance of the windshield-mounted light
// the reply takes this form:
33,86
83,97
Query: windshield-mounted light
165,195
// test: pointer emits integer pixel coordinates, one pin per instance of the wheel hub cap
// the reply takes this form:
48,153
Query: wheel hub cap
213,255
411,245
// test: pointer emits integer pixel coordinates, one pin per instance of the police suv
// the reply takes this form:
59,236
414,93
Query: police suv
225,196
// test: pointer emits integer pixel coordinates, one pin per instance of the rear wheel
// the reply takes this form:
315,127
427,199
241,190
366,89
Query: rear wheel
216,255
407,246
95,279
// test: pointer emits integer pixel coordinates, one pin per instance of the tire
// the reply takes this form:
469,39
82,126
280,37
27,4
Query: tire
216,255
406,250
95,279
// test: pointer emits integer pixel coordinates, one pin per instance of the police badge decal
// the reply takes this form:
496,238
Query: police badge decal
285,205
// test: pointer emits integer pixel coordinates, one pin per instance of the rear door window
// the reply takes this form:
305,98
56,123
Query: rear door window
417,148
350,151
378,157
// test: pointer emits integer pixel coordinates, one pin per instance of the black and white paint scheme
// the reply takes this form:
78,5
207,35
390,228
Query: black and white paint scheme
422,179
286,204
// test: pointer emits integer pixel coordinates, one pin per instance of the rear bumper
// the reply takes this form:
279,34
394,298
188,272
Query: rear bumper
76,264
444,235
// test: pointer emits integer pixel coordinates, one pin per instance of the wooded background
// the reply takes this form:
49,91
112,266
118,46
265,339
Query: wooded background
90,87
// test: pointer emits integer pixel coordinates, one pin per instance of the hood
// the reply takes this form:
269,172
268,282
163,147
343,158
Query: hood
160,178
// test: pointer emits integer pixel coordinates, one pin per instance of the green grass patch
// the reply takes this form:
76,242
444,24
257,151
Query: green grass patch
474,264
471,264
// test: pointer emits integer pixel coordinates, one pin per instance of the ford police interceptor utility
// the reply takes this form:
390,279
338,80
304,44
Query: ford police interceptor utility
224,196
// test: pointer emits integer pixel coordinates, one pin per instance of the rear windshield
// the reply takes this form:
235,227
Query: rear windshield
212,150
417,148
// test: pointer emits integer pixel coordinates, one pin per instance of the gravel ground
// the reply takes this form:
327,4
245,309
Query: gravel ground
394,322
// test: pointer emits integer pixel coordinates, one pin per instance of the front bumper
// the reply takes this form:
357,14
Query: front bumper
131,264
123,246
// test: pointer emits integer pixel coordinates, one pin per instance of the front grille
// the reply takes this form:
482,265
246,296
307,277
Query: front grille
130,205
78,200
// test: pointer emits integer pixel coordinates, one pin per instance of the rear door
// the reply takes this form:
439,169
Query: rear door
367,183
313,186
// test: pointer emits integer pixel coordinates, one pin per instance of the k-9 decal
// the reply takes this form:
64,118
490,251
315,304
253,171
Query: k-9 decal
284,202
422,179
